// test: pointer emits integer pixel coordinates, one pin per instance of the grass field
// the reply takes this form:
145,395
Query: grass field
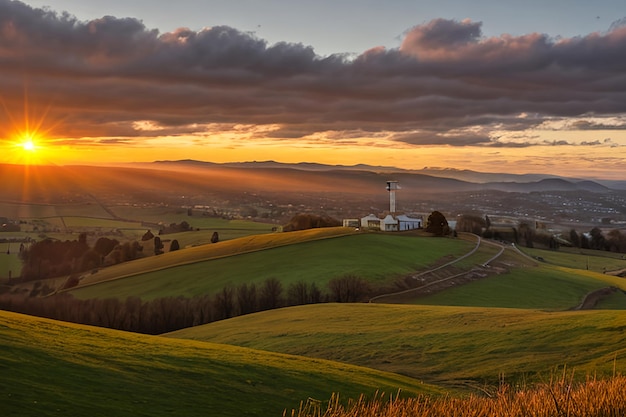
9,262
52,368
377,257
592,260
453,346
541,287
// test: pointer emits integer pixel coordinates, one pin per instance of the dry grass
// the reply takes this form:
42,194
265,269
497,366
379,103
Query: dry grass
557,398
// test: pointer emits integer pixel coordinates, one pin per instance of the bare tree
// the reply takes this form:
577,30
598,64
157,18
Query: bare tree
349,289
271,294
247,298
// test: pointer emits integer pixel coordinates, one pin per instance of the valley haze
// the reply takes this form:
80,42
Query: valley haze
454,86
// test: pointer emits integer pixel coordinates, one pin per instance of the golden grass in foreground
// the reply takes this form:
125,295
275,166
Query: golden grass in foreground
594,398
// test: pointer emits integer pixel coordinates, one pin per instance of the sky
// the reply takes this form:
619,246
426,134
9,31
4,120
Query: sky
491,86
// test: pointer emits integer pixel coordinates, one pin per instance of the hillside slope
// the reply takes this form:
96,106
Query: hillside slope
444,345
378,257
53,368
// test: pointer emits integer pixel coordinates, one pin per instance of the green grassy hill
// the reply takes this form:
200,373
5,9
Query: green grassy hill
453,346
52,368
307,256
541,287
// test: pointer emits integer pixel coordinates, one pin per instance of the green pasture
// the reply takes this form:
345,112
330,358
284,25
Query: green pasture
592,260
615,301
52,368
100,223
452,346
26,211
540,287
9,262
380,258
168,215
82,210
225,232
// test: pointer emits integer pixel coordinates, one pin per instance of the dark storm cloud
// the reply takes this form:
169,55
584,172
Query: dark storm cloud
100,76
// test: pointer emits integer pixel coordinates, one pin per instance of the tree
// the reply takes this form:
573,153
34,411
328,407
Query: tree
104,245
437,224
174,245
271,294
247,298
147,236
598,241
91,259
224,303
470,223
215,237
158,246
616,241
349,289
298,294
526,233
574,238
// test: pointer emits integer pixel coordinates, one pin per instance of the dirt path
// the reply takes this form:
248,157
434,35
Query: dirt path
593,298
452,276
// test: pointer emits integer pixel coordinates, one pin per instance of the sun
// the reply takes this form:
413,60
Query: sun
29,149
28,145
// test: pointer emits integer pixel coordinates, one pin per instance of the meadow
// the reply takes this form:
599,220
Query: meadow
315,255
53,368
541,287
461,348
512,325
9,261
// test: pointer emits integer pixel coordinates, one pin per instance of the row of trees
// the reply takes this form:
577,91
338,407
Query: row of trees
167,314
525,234
50,258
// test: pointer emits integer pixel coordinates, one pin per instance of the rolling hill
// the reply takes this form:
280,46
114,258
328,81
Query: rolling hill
453,346
53,368
167,181
308,256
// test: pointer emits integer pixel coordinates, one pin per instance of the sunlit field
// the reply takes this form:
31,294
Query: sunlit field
459,347
558,397
308,256
56,368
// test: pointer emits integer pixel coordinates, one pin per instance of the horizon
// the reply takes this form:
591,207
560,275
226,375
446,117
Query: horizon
101,86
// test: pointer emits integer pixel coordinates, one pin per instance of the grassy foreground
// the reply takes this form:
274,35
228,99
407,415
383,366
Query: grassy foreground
51,368
454,346
592,398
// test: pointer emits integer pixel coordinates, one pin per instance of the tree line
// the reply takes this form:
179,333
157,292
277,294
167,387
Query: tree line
167,314
50,258
529,236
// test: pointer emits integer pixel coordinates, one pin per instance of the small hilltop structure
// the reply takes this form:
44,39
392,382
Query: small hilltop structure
392,221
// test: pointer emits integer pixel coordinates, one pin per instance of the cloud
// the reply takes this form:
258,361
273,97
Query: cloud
446,81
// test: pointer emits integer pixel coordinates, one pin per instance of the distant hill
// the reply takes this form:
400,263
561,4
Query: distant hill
167,181
548,184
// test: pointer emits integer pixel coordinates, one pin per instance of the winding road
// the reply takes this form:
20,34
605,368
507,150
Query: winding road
447,266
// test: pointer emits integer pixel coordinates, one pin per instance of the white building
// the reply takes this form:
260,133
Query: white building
370,222
391,223
407,223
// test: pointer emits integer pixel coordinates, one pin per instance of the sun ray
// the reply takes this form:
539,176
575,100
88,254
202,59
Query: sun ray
26,138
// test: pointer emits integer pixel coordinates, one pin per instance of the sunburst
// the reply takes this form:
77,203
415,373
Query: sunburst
26,135
28,145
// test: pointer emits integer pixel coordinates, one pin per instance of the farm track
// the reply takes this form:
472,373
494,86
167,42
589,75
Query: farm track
473,265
